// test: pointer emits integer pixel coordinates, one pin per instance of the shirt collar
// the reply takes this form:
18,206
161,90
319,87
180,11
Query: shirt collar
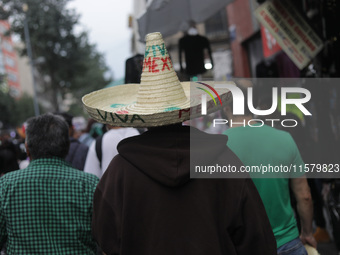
49,161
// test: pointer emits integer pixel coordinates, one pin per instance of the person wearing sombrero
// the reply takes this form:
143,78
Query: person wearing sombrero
146,202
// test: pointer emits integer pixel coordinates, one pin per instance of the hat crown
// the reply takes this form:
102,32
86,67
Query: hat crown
159,85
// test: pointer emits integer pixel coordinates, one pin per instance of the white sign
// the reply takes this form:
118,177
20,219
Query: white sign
290,30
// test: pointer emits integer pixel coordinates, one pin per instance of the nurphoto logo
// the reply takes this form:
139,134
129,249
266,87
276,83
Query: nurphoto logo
239,103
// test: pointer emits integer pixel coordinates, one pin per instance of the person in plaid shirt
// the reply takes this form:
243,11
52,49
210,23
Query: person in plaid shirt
46,208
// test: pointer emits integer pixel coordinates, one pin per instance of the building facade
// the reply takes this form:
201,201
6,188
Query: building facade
9,62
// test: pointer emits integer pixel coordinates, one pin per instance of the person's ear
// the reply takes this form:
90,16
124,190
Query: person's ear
28,151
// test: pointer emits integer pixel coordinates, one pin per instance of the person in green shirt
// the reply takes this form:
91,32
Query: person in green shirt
258,145
46,208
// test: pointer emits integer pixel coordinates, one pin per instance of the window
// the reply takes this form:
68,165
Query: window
3,29
12,77
2,65
14,92
7,46
9,61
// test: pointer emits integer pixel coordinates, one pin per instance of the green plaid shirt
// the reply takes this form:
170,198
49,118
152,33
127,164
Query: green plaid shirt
46,208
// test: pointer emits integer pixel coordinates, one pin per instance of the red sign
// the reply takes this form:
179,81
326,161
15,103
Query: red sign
269,43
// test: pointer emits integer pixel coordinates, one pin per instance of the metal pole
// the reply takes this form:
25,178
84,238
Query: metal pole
29,53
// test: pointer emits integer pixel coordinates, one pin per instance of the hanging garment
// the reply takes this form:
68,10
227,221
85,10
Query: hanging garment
193,47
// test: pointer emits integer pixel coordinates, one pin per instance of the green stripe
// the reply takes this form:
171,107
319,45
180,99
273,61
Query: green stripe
208,93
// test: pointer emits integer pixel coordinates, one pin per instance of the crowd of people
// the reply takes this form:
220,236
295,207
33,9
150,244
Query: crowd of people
115,189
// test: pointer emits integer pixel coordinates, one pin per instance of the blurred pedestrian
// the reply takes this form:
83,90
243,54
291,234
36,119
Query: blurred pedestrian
79,125
264,145
47,207
103,150
2,168
8,153
146,203
321,234
92,131
24,160
78,151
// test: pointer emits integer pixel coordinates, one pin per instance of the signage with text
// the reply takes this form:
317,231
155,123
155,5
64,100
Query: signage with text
290,30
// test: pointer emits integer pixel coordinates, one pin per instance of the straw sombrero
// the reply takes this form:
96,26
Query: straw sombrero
160,99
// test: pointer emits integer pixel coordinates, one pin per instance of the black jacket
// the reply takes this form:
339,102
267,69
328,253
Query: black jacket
146,202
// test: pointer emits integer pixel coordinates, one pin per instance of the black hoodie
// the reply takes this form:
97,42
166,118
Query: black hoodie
146,202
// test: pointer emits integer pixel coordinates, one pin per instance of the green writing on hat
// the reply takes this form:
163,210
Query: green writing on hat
170,109
117,105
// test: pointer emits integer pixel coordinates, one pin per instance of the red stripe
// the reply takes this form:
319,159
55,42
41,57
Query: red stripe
212,90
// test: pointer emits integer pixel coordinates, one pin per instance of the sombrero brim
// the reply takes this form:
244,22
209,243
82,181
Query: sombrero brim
117,106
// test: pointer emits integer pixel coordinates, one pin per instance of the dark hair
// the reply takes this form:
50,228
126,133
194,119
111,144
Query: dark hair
47,136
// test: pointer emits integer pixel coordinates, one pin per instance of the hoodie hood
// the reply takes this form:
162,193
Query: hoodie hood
166,153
